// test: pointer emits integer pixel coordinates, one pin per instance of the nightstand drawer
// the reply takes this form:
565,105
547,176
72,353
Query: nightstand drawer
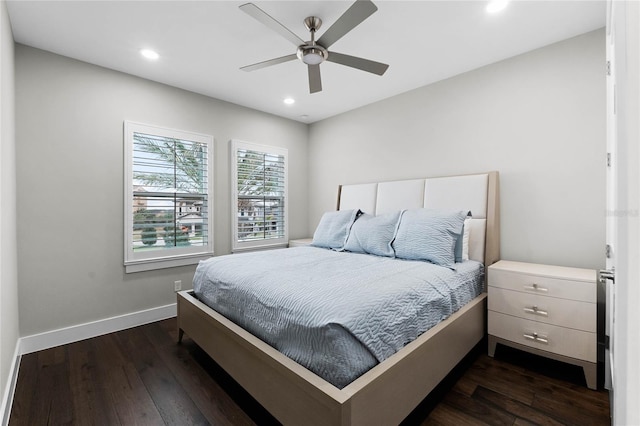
564,341
544,286
550,310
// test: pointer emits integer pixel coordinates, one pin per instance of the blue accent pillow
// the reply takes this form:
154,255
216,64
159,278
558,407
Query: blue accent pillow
429,234
333,229
374,234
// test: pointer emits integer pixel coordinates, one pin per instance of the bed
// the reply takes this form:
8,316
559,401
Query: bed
387,392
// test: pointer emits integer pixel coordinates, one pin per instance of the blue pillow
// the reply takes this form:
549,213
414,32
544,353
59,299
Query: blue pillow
373,234
333,229
428,234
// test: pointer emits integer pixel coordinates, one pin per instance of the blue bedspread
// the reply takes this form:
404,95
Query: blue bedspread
336,313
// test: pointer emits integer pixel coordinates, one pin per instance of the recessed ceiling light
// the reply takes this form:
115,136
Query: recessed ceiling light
289,101
149,54
495,6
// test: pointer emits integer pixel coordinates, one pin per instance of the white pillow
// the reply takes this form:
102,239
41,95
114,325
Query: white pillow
466,229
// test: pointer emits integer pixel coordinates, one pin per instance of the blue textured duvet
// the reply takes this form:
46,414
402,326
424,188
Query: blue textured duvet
336,313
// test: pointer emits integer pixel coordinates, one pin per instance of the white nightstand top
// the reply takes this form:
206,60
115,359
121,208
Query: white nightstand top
300,242
550,271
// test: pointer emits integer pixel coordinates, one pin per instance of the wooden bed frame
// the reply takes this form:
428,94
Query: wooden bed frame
386,394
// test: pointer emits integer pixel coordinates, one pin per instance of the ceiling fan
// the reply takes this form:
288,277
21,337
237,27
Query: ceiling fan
314,52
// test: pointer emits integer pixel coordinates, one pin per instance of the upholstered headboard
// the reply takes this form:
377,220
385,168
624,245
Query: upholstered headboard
478,193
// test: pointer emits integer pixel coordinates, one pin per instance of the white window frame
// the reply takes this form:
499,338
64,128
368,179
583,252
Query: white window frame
179,256
238,246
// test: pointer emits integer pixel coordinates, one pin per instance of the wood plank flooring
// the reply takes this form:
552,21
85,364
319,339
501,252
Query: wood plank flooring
141,376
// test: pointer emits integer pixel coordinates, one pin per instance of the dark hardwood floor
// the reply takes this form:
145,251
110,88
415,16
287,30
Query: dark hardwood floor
141,376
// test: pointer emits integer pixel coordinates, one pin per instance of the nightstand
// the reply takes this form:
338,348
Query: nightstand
300,242
546,310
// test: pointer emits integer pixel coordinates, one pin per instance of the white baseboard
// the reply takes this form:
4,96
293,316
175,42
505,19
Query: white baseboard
63,336
10,388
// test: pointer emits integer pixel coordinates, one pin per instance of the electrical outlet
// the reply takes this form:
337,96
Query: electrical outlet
177,285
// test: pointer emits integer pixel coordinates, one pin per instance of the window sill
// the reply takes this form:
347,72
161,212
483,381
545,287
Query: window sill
259,247
153,264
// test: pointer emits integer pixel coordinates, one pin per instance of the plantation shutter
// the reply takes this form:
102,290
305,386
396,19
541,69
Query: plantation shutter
260,181
170,186
169,204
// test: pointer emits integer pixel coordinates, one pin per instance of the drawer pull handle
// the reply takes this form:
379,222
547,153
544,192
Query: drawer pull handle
535,287
534,310
536,338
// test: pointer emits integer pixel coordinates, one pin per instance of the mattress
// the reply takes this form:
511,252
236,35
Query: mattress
336,313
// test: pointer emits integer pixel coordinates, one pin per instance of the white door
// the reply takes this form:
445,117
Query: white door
611,203
623,204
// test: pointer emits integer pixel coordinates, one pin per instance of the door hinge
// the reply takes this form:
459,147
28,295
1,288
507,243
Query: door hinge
608,67
607,342
608,159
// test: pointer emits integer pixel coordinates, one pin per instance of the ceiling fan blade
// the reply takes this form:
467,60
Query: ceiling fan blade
360,63
358,12
262,16
315,82
270,62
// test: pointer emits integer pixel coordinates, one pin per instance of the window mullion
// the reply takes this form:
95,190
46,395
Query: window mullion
264,200
175,195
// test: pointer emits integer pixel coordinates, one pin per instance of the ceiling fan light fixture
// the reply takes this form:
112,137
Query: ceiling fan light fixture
312,55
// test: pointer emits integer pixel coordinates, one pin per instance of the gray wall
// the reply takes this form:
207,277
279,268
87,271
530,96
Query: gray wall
70,184
8,260
538,118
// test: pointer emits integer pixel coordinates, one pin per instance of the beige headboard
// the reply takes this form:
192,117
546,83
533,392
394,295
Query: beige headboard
478,193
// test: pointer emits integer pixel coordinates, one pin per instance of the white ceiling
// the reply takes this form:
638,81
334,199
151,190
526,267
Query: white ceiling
204,43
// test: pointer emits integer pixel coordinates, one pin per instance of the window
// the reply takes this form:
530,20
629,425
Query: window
168,191
259,190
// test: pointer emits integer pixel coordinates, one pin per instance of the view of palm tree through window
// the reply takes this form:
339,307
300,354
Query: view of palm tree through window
261,195
170,205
